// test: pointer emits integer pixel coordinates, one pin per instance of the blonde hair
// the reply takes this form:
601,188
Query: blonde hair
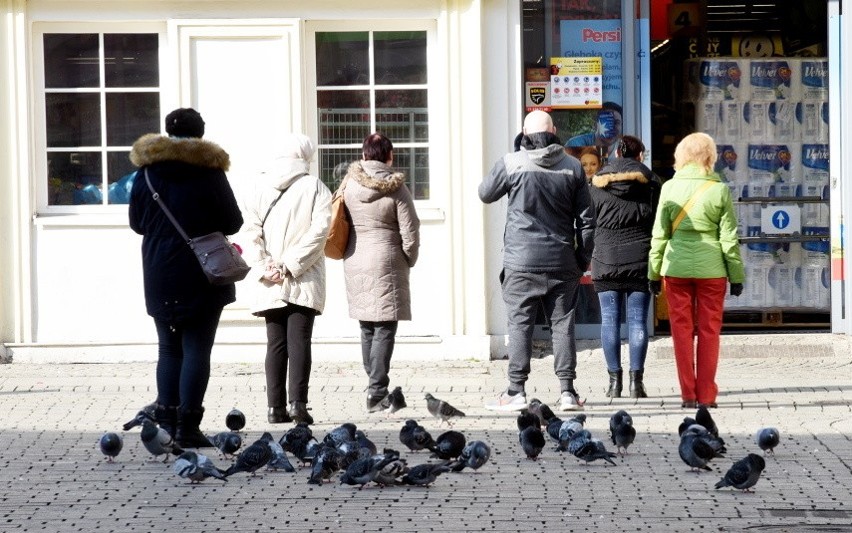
698,148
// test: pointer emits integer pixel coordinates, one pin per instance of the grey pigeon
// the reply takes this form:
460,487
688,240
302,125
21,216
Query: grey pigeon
299,440
363,471
146,413
111,444
744,473
196,467
527,419
568,429
474,455
324,464
415,437
158,441
279,459
716,443
252,458
391,473
702,417
441,409
687,421
586,448
449,445
621,430
767,439
553,426
342,433
364,442
228,442
541,410
394,401
425,474
532,440
235,420
695,452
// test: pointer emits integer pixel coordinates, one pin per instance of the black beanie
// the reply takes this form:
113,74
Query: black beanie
184,122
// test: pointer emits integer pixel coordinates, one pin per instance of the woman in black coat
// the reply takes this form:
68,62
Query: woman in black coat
189,175
624,194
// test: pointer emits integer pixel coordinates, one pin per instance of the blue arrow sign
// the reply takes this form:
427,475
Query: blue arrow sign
780,219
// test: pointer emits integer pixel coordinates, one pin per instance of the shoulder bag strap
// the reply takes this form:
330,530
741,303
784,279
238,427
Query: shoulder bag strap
280,194
689,203
156,196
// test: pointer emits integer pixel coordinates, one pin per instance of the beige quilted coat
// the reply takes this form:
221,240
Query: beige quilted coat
384,241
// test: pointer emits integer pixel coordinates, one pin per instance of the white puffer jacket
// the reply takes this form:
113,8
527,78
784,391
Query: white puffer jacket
295,234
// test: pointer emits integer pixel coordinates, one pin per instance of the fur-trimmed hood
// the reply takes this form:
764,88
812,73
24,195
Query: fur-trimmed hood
604,180
154,148
376,177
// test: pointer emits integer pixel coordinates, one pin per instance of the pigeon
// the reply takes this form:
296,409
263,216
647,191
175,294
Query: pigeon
767,439
716,443
364,442
474,455
568,429
532,440
744,473
687,421
349,453
340,434
279,459
553,426
299,440
228,442
158,441
391,472
441,409
394,401
146,413
363,471
695,452
324,464
235,420
425,474
702,417
541,410
196,467
111,444
448,445
415,437
527,419
621,430
252,458
586,448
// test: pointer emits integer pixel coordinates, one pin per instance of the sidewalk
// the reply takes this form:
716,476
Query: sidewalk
53,478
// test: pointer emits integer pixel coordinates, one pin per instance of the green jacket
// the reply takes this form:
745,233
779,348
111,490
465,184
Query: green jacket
705,244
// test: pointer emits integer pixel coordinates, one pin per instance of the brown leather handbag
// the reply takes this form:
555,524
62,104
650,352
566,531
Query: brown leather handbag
338,229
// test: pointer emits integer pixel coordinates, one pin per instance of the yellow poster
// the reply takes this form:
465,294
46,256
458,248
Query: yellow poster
576,82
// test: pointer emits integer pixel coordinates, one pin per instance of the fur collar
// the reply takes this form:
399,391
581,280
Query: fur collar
604,180
386,183
154,148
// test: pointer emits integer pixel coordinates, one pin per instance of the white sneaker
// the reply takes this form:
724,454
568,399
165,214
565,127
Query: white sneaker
570,402
504,402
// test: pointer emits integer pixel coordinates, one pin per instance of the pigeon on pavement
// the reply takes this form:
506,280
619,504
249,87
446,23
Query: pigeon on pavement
110,444
586,448
342,433
541,410
441,409
158,441
425,474
621,430
363,471
702,417
146,413
568,429
299,440
394,401
474,455
324,464
196,467
527,419
228,442
235,420
695,452
391,473
279,459
415,437
716,443
767,439
553,426
448,445
364,442
252,458
744,473
532,440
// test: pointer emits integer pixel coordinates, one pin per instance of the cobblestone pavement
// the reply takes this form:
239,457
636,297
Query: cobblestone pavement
53,477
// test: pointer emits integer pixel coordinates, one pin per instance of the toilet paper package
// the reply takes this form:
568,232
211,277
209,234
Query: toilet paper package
814,164
769,122
708,117
731,164
811,78
755,287
721,79
782,286
772,163
814,284
812,121
751,190
769,79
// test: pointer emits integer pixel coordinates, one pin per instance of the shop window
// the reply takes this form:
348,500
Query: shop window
373,81
101,93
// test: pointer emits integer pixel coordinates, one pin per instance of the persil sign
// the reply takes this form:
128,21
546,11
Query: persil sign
601,36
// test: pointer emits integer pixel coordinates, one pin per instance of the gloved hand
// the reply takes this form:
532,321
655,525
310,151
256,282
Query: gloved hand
655,286
736,289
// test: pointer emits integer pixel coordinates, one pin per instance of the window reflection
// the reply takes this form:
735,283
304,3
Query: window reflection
131,115
71,60
73,119
400,57
342,58
74,178
131,60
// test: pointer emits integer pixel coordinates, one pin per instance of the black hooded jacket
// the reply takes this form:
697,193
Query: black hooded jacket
189,175
624,194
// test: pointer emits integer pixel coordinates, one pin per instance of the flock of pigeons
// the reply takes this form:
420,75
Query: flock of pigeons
347,452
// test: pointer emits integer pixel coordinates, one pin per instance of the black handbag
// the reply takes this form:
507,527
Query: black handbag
219,259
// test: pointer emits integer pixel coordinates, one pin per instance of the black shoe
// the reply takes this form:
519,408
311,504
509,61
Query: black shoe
188,434
689,404
713,405
376,404
615,385
637,387
298,411
278,415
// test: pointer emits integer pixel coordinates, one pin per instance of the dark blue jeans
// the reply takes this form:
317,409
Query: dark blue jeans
612,307
183,367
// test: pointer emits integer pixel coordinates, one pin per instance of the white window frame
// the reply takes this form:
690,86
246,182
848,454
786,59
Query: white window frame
39,133
436,88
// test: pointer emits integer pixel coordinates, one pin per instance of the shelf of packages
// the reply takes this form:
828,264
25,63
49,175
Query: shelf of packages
794,317
794,237
781,200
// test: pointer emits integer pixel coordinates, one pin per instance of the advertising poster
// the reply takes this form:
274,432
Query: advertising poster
596,38
576,82
537,95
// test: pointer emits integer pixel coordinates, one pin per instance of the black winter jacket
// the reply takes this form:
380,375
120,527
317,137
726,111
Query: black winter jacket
189,175
624,194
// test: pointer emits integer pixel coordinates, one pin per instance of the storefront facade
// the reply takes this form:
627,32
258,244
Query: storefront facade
447,79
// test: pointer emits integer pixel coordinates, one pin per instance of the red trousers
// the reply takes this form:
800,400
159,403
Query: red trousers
695,307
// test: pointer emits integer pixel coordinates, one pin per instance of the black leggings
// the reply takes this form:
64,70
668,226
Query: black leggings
288,336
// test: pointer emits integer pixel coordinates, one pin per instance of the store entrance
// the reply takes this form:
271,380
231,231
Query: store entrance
754,76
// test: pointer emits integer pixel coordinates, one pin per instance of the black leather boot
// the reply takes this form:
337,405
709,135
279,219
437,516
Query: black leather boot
278,415
637,388
166,418
188,433
615,385
299,413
